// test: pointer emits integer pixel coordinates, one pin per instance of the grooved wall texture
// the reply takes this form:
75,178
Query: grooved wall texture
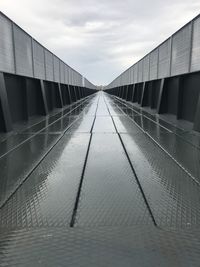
21,54
38,60
6,46
179,54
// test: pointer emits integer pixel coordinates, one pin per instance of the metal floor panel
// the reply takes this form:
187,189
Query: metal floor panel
11,142
47,197
90,111
148,125
102,247
115,111
103,124
16,165
173,196
120,219
187,155
192,137
110,194
184,152
102,109
125,125
61,125
17,139
49,121
83,125
69,110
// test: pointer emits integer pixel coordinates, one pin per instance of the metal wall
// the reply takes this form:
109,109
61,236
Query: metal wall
22,55
179,54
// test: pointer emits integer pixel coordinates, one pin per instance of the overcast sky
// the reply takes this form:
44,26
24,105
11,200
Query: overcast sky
100,38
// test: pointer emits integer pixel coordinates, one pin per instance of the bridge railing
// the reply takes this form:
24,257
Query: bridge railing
168,78
33,81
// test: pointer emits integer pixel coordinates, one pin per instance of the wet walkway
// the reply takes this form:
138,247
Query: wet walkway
99,184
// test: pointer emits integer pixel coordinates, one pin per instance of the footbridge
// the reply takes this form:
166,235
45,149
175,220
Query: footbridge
94,177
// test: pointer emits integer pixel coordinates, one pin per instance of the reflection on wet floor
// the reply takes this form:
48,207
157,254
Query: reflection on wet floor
99,179
56,123
100,164
180,144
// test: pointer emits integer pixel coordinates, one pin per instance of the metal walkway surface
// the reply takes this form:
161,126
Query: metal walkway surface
100,184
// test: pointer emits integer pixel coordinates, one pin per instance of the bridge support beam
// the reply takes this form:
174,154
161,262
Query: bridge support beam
44,99
161,98
5,116
196,126
144,95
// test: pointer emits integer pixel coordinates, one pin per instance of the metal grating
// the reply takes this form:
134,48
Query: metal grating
23,52
49,65
164,59
6,46
181,45
110,195
38,60
195,60
154,65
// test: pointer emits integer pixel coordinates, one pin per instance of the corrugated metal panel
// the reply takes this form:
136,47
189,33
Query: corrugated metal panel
66,74
6,46
140,71
62,72
70,78
124,78
56,68
132,73
164,59
129,76
135,74
87,83
195,61
146,68
49,65
83,81
23,52
81,78
80,81
154,64
181,42
38,60
75,78
121,80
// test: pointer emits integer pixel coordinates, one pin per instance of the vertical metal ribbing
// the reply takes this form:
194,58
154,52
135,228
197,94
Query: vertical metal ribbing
14,52
32,54
191,45
170,59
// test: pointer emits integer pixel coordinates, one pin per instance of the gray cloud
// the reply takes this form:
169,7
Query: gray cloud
100,38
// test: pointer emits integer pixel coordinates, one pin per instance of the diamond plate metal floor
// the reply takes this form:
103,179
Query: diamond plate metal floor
100,183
